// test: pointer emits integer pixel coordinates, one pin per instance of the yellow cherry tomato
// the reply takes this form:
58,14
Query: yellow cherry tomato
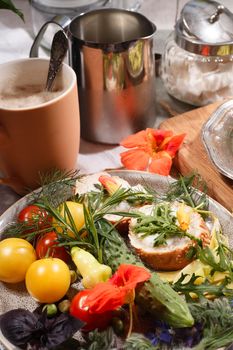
76,211
48,280
16,255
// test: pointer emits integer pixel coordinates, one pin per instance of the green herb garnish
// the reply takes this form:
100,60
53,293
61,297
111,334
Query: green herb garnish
201,290
221,260
162,222
217,319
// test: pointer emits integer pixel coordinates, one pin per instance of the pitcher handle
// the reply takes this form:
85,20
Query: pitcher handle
62,21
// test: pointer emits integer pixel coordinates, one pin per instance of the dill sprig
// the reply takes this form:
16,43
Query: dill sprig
56,187
26,230
190,189
108,204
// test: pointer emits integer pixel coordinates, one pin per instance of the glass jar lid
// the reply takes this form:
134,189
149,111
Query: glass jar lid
206,28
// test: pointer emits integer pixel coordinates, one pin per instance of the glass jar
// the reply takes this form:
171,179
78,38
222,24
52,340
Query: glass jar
197,62
196,79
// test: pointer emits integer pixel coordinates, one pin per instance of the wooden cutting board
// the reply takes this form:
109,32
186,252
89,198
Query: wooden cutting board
193,156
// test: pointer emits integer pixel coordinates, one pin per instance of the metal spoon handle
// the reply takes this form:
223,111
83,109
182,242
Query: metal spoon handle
58,51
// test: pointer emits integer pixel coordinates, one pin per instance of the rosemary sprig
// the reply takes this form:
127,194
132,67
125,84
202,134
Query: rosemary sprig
95,207
91,227
110,202
217,319
138,342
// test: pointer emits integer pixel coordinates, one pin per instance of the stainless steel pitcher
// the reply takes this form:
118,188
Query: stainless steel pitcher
111,51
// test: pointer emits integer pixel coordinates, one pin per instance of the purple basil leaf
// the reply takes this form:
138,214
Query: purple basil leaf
60,328
18,326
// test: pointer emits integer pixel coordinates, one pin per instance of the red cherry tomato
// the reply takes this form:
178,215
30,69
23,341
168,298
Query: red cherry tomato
34,215
47,246
100,321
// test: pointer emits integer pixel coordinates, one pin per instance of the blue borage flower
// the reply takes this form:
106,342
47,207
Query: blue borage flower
163,334
189,336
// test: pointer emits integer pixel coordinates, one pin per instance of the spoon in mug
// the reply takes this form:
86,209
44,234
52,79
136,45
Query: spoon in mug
58,51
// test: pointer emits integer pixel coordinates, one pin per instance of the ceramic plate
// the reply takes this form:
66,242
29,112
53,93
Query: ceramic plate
217,135
16,296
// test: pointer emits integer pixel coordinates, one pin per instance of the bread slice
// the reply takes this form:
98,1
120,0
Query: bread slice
172,255
87,184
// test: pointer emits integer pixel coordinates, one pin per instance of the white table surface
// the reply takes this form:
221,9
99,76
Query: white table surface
16,39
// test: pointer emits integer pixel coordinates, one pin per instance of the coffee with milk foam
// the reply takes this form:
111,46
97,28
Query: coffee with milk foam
26,96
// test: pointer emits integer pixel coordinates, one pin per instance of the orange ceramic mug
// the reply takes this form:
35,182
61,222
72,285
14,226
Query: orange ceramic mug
38,133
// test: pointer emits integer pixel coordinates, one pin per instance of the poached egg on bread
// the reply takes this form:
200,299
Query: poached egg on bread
167,252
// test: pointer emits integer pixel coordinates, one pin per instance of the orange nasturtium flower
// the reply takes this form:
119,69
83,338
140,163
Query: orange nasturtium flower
151,150
118,290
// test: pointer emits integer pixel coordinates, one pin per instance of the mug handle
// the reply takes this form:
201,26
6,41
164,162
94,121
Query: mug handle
62,21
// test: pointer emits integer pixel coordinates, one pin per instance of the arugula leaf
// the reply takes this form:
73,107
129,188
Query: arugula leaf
8,5
207,257
201,290
161,222
220,261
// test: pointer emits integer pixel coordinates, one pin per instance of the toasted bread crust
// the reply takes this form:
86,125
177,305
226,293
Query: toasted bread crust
172,260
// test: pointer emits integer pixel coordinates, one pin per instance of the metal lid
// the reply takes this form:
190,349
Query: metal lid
205,27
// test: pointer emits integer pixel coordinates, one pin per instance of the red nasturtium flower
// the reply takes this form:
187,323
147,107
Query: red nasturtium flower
151,150
118,290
